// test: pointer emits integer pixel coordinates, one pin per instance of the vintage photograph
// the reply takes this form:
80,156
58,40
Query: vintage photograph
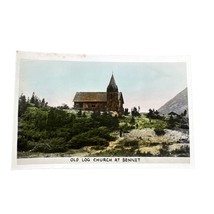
101,107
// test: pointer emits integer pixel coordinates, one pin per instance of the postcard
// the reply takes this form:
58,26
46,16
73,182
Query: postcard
74,110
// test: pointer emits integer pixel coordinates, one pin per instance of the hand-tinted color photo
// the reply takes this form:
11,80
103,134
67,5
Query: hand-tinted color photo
102,109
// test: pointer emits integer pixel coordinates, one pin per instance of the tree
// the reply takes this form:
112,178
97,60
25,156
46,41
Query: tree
156,112
105,119
32,99
63,106
135,113
171,122
95,114
57,118
37,102
153,114
41,119
79,114
132,120
22,105
43,102
126,112
150,115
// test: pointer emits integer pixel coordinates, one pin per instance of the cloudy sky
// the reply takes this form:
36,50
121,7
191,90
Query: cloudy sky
148,85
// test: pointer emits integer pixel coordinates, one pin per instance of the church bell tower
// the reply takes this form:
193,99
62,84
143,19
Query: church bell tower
112,95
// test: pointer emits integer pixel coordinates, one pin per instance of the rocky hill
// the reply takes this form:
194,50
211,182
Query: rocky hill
177,104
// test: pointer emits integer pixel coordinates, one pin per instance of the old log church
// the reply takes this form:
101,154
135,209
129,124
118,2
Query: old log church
111,100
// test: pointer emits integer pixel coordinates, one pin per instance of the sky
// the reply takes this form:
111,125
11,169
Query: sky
144,84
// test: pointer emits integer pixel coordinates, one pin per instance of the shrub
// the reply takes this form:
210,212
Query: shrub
164,151
117,153
144,154
24,145
183,151
171,122
98,147
130,143
50,145
132,121
80,141
105,119
184,126
159,132
94,137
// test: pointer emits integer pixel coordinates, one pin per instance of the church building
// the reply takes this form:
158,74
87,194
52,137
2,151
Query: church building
111,100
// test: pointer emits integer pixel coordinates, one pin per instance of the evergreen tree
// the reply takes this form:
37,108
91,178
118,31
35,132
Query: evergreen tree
156,112
22,105
51,119
171,122
153,114
135,113
150,115
43,102
65,106
126,112
37,101
79,114
132,120
32,99
83,115
95,114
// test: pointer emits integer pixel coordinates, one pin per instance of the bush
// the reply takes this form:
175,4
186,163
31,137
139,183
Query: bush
164,151
183,151
50,145
81,140
159,132
117,153
107,120
94,137
48,129
144,154
98,147
23,145
171,123
130,143
184,126
132,121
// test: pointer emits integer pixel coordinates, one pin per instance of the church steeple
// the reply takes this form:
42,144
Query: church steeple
112,87
112,95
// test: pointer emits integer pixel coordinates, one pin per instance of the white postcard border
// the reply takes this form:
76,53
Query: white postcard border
65,162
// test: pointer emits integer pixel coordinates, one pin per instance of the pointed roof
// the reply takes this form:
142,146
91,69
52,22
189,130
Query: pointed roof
112,85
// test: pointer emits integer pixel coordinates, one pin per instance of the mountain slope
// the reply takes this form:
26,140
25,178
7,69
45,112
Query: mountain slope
177,104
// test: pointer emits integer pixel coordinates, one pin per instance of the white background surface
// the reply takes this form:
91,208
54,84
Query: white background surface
110,27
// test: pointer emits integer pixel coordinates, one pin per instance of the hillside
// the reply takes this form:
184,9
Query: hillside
177,104
45,131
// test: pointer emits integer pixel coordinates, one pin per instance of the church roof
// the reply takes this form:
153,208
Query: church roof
112,84
94,97
90,97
